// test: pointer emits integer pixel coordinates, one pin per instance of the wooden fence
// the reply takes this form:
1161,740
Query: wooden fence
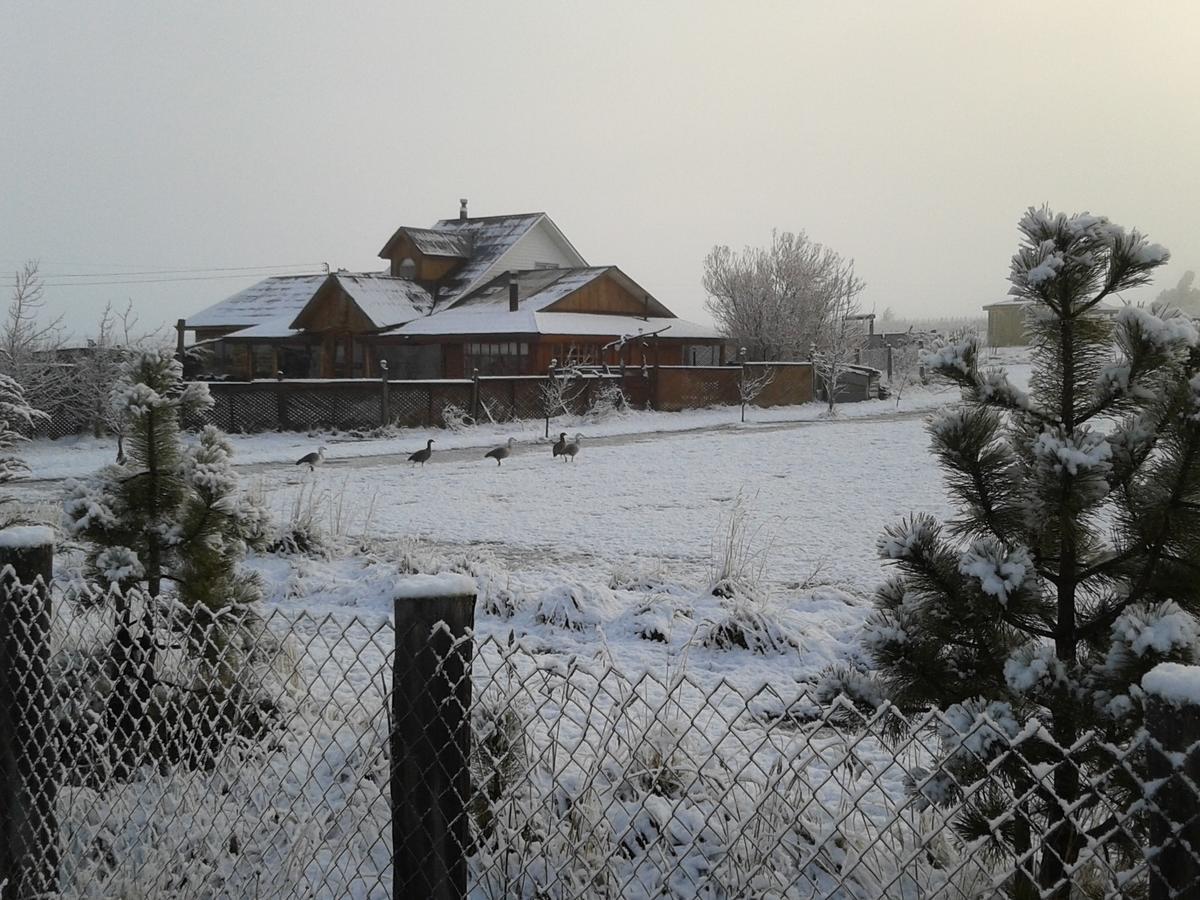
351,404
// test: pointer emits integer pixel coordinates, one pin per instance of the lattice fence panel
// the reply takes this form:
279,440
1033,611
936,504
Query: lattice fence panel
496,400
409,404
447,394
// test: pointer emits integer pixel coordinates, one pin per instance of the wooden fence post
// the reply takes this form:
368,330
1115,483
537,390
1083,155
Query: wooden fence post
28,792
1173,752
385,399
282,420
475,395
889,363
431,736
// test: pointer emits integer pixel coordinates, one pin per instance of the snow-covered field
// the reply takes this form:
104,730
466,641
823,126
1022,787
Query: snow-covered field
610,561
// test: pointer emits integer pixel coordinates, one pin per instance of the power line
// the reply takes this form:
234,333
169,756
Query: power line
204,269
119,282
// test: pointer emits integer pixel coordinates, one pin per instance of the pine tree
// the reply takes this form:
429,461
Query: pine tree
170,520
1073,566
16,417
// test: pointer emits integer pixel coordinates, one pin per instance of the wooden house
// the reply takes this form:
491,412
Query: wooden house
494,294
1006,321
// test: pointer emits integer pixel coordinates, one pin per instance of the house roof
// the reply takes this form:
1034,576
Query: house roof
385,300
271,298
491,237
272,329
526,321
432,242
538,289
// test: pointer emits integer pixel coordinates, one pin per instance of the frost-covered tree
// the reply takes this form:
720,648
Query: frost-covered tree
1185,296
16,418
30,342
1073,566
772,300
839,334
171,519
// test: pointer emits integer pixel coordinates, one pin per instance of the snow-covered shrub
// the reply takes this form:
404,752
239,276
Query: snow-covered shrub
638,576
496,599
573,606
455,418
748,624
608,401
737,559
655,620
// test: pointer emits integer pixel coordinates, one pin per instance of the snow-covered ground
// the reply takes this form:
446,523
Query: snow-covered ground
77,456
609,560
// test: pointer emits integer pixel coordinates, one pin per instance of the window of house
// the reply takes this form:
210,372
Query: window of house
495,357
263,361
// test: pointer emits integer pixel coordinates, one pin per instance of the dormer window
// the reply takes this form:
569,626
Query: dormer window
407,268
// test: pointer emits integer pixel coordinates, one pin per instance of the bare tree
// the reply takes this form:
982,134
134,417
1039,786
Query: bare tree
29,344
118,338
840,333
771,300
751,386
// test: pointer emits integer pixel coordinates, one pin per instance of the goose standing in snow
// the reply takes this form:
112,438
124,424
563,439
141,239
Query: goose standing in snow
499,454
422,456
572,448
557,449
312,460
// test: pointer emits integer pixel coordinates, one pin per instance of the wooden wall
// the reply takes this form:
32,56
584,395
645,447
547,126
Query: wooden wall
603,295
428,268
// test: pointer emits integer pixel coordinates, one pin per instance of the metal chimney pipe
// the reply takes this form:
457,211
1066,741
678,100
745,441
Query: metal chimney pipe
512,292
462,209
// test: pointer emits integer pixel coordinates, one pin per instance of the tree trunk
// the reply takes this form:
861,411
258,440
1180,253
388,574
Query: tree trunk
1060,845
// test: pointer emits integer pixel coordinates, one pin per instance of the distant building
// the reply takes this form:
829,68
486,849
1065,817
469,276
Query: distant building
503,295
1006,321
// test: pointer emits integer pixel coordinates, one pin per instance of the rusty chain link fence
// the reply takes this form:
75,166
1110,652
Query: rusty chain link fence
153,752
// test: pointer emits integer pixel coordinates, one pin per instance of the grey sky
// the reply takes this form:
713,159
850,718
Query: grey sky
142,136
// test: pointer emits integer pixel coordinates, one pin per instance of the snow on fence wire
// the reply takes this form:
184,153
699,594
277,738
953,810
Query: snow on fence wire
263,757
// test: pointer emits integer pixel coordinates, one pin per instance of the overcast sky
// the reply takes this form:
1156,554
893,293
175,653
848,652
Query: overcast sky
908,135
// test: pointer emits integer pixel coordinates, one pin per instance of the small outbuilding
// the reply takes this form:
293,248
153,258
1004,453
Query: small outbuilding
1006,321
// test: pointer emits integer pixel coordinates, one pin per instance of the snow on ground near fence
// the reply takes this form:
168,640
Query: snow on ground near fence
77,456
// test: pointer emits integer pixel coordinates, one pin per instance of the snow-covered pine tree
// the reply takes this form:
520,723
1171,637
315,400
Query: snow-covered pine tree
171,520
15,414
1074,565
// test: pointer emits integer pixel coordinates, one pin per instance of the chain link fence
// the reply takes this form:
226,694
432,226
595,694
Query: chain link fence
151,751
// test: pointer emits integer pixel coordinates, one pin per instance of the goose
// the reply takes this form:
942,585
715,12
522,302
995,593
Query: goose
422,456
572,448
312,460
557,449
501,453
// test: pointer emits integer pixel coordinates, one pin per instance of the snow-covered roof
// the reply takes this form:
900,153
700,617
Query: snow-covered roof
538,289
526,321
384,299
271,298
491,237
433,242
1102,308
272,329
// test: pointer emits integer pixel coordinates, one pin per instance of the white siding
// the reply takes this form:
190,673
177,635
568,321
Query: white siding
539,245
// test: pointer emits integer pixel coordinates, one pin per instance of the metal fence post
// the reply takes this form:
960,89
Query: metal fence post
1173,754
28,792
431,736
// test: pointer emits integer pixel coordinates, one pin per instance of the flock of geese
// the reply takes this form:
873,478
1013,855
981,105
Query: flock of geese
568,450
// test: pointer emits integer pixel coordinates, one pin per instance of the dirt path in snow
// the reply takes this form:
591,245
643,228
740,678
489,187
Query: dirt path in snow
467,454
